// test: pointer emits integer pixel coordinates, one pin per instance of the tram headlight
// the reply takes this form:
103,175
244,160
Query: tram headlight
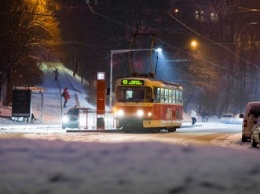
149,114
140,113
120,113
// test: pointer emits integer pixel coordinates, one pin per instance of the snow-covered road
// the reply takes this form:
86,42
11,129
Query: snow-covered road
219,134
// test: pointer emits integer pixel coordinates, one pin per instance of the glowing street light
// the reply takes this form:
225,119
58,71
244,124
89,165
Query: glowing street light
111,65
194,44
158,50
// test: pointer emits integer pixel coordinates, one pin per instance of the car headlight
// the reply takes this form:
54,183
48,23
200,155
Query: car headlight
65,119
140,113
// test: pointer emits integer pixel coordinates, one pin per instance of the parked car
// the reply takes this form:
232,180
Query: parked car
71,119
255,137
231,119
251,114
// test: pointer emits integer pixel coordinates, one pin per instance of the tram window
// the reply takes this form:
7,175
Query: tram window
162,95
124,93
166,96
178,97
148,93
157,94
138,94
120,94
174,96
129,94
170,96
181,97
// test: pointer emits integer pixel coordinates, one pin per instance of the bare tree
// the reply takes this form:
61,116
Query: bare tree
229,45
29,34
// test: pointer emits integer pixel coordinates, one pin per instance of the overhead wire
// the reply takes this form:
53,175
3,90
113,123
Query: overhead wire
105,17
170,45
189,54
200,35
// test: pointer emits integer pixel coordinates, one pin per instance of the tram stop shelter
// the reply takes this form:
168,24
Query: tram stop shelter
22,102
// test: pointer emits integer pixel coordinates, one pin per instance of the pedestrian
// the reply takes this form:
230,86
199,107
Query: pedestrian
206,116
193,116
56,74
33,118
66,96
203,116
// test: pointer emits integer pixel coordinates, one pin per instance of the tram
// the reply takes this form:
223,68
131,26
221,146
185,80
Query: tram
145,104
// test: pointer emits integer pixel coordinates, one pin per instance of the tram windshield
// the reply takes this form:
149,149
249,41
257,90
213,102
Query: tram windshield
133,94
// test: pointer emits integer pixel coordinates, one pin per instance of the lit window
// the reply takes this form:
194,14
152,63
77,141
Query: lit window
202,15
174,96
162,95
166,95
196,14
213,17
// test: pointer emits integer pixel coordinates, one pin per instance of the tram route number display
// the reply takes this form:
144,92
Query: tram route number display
21,103
132,82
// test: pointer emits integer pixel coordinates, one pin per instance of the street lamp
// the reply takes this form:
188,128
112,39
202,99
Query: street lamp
194,44
111,65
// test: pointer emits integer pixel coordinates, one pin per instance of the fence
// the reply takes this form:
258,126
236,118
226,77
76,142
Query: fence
88,120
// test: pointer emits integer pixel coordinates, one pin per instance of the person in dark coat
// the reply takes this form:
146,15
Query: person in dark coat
207,116
193,116
56,74
66,96
203,116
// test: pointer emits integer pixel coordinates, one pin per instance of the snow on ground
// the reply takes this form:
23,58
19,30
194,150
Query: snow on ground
43,166
52,100
30,166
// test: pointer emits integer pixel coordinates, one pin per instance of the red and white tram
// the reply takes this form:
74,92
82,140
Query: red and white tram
148,105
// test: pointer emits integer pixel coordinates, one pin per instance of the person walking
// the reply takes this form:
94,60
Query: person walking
56,74
66,96
203,116
206,116
193,116
33,118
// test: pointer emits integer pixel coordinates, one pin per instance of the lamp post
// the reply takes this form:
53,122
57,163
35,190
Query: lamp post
111,65
194,44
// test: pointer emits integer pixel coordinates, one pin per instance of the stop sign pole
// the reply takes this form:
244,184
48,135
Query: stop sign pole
101,100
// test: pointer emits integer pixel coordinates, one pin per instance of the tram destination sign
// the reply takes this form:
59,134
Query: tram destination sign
132,82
